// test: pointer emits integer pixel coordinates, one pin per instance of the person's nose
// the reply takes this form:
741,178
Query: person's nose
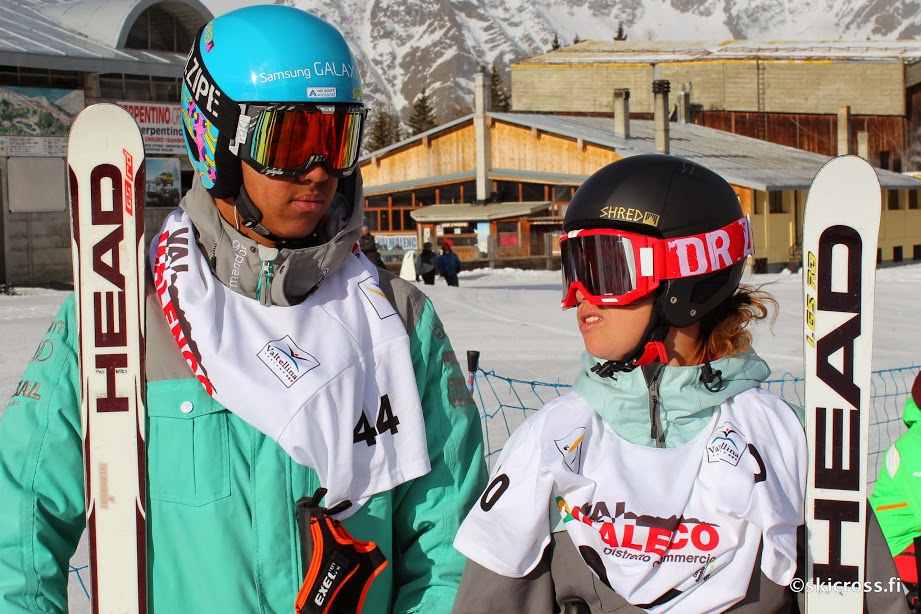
580,298
315,174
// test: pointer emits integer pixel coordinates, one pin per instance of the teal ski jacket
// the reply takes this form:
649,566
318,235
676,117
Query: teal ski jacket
222,534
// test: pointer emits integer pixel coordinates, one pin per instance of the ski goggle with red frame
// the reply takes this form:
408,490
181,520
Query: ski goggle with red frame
287,139
613,267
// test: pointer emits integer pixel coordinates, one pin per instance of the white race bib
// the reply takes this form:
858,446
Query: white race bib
330,379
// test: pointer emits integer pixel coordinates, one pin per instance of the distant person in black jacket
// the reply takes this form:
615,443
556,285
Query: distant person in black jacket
448,263
427,264
369,247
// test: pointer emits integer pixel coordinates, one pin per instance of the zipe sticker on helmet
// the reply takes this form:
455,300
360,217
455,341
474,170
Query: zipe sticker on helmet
204,92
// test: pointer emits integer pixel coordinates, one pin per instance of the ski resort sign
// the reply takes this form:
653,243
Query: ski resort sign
161,127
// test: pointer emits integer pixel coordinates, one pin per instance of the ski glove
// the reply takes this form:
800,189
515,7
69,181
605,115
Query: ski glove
338,568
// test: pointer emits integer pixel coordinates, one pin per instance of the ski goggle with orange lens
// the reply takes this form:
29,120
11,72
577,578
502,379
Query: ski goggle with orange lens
287,139
613,267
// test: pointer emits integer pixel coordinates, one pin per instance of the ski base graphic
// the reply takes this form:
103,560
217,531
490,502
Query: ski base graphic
105,158
840,238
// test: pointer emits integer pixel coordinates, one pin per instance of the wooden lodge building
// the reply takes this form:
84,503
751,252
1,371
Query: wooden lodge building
785,92
502,181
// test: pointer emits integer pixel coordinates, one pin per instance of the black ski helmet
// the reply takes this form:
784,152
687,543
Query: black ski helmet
665,197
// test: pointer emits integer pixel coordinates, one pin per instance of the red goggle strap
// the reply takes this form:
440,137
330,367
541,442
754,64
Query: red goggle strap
708,252
688,256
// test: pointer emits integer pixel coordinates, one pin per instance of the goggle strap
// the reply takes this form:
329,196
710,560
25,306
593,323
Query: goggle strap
220,110
708,252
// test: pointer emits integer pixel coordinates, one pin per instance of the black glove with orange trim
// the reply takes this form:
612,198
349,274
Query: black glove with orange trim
338,568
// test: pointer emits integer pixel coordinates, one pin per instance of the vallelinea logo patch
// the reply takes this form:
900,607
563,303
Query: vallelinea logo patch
727,444
286,360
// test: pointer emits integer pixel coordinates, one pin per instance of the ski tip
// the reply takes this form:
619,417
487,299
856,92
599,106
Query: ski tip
101,125
846,165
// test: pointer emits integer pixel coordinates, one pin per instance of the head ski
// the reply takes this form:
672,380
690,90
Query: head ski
105,159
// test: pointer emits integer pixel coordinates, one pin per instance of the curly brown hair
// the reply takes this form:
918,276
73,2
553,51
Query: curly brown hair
725,331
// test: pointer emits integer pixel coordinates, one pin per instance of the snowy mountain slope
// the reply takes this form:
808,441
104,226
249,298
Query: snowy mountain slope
405,45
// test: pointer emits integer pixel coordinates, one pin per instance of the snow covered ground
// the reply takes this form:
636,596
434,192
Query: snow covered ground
513,318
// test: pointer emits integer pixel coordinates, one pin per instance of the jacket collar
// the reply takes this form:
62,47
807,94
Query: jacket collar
686,405
237,261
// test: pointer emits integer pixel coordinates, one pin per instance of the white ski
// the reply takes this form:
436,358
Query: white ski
105,158
840,234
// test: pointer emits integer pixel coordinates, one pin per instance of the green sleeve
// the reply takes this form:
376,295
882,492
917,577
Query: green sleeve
41,475
429,509
896,497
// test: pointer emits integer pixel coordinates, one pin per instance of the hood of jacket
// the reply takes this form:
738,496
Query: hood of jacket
237,261
685,407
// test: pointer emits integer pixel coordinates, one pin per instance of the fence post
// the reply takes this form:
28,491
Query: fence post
548,250
491,250
473,361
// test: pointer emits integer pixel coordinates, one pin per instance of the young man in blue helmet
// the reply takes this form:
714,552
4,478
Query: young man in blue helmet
279,361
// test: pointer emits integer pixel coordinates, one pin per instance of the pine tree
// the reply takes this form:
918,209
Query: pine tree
383,130
423,116
498,97
555,43
620,36
576,40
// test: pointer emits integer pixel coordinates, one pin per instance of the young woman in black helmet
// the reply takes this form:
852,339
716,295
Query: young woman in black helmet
675,482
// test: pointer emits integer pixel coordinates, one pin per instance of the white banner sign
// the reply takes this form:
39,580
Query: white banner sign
41,146
161,126
391,241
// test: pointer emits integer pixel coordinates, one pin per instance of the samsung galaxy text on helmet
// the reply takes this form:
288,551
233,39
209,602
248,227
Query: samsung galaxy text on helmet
320,69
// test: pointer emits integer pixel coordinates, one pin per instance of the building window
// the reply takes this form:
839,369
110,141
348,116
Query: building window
897,253
531,192
402,199
562,193
408,222
916,253
776,202
376,202
157,30
425,196
371,220
449,194
468,192
507,191
508,234
165,90
35,77
912,199
892,200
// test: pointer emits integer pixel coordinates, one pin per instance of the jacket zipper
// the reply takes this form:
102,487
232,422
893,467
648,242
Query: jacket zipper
653,380
264,284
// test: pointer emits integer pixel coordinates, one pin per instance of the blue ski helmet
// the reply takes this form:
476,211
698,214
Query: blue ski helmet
259,54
